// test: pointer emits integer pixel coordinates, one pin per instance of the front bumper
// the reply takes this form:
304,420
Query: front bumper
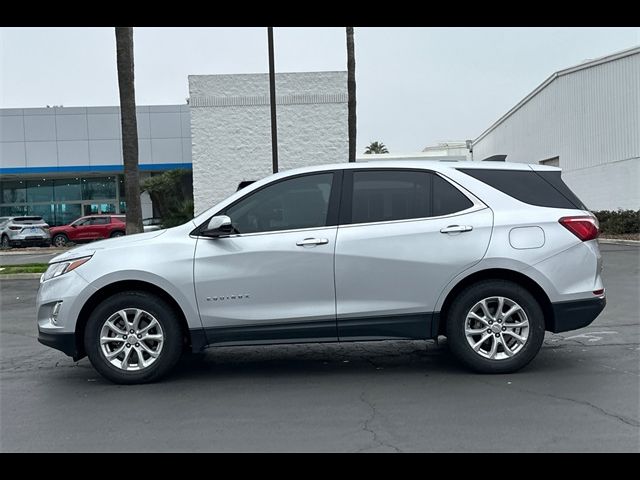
63,341
575,314
58,330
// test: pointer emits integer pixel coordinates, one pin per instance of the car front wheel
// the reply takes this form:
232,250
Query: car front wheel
495,326
133,337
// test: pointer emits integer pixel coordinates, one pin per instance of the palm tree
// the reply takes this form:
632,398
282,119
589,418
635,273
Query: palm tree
376,147
351,92
124,56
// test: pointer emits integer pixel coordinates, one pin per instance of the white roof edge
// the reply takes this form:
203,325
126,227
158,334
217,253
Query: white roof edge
591,63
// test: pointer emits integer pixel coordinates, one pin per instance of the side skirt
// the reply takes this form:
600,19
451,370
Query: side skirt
414,326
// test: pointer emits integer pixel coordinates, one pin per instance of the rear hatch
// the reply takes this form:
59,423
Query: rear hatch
34,227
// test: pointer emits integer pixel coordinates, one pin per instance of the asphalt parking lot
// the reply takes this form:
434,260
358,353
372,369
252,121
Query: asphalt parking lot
582,392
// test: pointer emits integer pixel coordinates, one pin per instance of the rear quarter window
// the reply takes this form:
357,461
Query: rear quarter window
543,189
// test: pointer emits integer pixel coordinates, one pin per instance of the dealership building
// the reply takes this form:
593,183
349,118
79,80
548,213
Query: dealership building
584,119
65,162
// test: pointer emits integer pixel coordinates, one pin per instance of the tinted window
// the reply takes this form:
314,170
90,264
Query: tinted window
526,186
554,179
301,202
387,195
100,221
447,199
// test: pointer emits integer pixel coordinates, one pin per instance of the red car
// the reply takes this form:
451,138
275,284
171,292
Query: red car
86,229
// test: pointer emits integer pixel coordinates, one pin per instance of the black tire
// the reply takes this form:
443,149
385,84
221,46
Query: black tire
59,240
4,243
117,233
164,314
460,308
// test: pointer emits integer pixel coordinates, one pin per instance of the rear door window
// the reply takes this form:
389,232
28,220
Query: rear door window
393,194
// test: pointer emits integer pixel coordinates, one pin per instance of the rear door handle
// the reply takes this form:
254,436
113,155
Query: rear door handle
456,229
312,241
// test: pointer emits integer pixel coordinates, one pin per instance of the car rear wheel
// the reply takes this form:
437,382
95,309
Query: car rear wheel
495,326
4,243
133,337
60,240
117,233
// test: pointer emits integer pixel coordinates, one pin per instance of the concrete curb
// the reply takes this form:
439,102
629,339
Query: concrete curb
613,241
19,276
42,251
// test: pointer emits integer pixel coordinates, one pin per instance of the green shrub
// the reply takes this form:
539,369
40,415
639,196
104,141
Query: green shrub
172,196
618,221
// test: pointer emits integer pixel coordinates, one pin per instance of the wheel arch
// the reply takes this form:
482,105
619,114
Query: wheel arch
106,291
501,274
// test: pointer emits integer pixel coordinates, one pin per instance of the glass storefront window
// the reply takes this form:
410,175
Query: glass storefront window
67,189
39,190
14,191
65,213
44,211
13,210
121,185
99,208
98,188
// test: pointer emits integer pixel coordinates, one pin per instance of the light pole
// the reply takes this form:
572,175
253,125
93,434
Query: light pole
272,94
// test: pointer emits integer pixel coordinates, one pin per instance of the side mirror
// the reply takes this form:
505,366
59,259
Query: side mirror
74,225
218,225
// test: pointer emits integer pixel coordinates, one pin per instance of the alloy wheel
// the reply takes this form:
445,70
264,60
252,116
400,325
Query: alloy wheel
496,328
131,339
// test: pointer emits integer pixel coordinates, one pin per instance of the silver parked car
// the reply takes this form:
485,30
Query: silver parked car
489,255
24,232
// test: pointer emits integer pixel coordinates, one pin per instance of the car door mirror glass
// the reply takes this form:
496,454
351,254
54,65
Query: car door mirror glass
217,226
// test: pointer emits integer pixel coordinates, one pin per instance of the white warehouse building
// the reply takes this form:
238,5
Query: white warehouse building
584,119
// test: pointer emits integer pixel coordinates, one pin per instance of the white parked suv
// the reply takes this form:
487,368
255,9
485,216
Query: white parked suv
488,254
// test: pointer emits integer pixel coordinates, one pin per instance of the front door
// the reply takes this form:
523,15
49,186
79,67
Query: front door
404,234
272,280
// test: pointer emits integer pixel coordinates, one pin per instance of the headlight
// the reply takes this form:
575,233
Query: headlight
57,269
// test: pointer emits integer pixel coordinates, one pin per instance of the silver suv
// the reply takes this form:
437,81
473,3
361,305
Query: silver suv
24,232
489,255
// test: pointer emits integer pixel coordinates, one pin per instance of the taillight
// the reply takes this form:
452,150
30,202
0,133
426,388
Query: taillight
584,227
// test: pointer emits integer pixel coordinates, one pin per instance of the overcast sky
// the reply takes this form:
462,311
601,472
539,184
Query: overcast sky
415,86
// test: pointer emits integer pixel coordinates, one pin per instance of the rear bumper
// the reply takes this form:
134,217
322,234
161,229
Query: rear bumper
575,314
27,242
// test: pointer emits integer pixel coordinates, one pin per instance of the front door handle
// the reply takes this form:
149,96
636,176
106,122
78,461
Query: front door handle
456,229
312,241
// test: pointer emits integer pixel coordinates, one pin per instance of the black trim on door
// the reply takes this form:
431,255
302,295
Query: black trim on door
416,326
335,198
347,197
413,326
283,332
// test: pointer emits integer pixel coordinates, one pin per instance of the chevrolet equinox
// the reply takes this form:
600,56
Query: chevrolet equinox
490,255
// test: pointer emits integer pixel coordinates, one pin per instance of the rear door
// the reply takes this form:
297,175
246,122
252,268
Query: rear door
403,235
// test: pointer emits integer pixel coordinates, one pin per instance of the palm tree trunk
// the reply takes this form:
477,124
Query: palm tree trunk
124,54
351,92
